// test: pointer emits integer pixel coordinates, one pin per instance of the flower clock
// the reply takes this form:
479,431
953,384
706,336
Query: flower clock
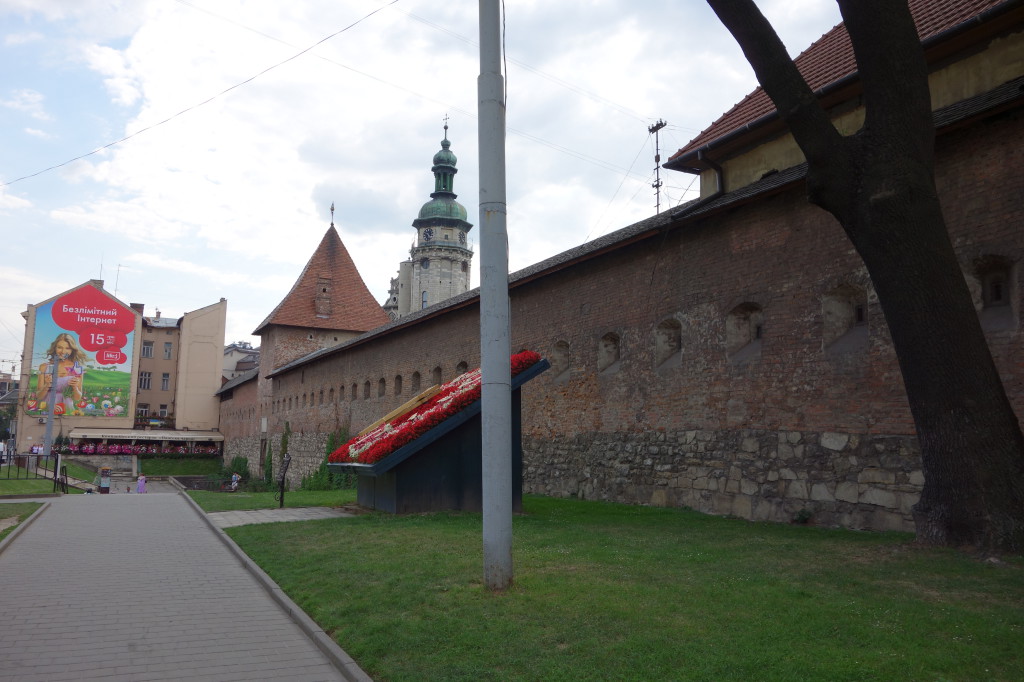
452,398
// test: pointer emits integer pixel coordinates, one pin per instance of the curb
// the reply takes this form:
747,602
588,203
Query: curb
345,664
22,526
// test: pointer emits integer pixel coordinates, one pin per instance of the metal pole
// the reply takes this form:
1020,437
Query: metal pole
51,399
496,381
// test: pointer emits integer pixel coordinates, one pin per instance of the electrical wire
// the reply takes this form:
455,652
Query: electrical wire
204,102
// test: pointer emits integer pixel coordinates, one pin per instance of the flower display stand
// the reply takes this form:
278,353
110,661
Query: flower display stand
442,469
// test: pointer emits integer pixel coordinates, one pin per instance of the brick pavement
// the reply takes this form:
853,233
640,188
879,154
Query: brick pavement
139,587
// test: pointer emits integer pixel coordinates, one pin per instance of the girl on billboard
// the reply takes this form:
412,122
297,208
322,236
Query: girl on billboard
70,371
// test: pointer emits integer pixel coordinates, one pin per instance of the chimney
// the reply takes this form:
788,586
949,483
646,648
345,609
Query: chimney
140,308
158,313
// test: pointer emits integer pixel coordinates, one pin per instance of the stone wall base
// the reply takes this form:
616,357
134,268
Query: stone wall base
861,481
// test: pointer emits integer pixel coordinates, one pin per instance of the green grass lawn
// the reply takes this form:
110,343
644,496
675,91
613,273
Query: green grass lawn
615,592
15,510
14,481
215,501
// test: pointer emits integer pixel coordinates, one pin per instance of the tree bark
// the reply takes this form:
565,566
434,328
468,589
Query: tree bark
879,184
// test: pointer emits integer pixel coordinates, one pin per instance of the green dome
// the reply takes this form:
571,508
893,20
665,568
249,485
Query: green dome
443,207
445,157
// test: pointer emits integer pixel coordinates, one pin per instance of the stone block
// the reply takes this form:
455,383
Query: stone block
741,507
917,478
797,490
872,475
907,502
879,497
847,491
658,498
787,475
748,487
834,441
750,445
821,493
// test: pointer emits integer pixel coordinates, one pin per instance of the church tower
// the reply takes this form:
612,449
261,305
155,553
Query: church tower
438,265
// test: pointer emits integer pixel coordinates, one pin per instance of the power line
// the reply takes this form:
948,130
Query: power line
204,102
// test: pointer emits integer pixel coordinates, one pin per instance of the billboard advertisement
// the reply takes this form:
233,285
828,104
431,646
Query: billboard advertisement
91,337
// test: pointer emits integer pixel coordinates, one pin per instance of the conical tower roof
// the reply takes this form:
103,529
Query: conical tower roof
329,294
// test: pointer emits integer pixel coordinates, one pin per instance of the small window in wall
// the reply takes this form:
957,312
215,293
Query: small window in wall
398,384
993,291
168,350
330,397
165,382
163,410
354,393
668,341
366,390
142,410
423,300
145,380
844,320
608,352
147,349
461,368
321,397
303,400
744,330
382,388
415,383
560,359
435,376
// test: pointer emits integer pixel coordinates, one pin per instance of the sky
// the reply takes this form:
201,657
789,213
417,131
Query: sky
246,120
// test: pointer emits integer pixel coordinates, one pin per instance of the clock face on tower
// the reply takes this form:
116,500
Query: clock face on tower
428,234
462,237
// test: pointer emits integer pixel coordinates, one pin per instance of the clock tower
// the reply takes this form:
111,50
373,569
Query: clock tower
439,261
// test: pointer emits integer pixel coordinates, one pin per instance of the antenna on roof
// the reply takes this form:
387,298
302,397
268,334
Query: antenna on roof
657,164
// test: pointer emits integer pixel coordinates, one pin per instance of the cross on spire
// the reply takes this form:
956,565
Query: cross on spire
332,214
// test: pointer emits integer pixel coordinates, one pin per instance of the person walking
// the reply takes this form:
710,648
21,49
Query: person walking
141,487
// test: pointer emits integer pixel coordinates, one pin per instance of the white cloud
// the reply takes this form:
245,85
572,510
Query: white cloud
14,39
28,101
231,198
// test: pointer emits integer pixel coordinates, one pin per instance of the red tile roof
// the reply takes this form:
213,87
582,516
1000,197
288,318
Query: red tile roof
831,58
352,307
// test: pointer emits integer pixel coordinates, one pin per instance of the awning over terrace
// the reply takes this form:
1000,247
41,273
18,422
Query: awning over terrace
141,435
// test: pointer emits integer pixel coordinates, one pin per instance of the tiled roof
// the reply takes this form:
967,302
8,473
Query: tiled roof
831,58
352,307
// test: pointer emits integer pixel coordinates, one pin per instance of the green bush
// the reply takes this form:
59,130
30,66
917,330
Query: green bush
325,479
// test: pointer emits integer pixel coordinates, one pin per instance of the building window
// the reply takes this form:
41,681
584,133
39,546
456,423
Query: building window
415,383
668,341
163,410
147,349
436,376
145,380
744,329
398,385
423,300
844,320
425,264
608,353
142,410
168,350
560,358
382,388
354,394
366,390
165,382
461,368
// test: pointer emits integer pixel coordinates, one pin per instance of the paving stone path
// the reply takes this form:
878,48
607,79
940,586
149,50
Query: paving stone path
133,587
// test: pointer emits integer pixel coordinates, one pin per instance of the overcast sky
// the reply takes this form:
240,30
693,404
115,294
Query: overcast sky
229,198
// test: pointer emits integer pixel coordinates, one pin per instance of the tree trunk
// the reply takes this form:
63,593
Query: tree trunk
879,184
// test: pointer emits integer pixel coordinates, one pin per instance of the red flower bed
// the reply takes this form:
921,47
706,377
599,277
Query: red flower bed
453,397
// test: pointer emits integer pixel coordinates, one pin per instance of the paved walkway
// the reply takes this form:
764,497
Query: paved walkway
136,587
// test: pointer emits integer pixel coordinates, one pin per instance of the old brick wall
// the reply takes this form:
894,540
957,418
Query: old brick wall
783,427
